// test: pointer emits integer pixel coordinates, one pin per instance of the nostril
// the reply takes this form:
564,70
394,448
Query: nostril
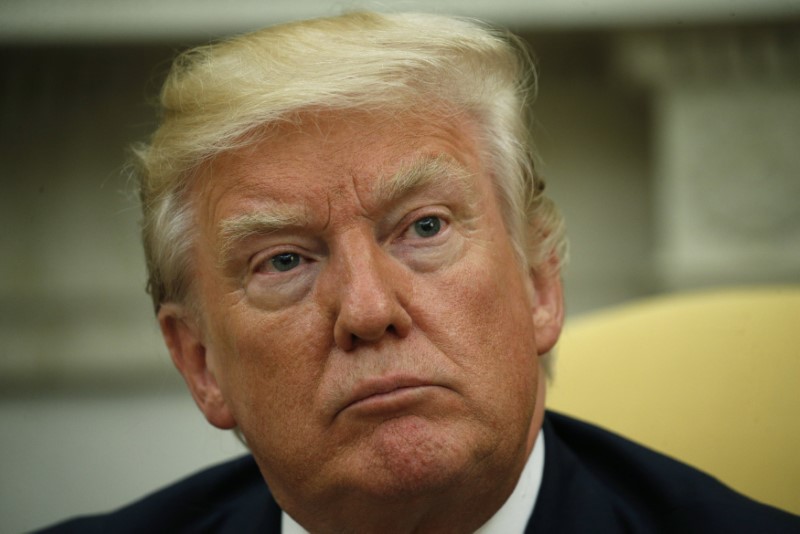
372,336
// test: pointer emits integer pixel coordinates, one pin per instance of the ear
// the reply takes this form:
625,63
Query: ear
547,305
189,354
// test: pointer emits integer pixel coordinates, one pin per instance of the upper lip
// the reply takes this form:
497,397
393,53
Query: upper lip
381,385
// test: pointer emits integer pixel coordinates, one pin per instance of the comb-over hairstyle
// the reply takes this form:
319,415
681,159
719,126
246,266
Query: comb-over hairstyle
217,97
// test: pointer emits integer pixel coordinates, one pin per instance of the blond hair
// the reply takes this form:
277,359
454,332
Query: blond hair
217,94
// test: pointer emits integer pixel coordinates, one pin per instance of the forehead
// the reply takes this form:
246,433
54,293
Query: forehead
332,154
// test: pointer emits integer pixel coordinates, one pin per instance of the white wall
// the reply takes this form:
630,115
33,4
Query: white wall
64,455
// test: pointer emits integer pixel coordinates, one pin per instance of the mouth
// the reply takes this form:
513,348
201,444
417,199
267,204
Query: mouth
387,395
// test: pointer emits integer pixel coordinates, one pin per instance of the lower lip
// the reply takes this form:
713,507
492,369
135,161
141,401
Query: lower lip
397,400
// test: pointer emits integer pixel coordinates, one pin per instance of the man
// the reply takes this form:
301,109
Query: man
354,265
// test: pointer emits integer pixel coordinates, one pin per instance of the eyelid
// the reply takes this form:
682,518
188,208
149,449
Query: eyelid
440,212
265,256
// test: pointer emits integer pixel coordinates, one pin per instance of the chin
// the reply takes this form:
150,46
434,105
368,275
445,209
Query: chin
412,456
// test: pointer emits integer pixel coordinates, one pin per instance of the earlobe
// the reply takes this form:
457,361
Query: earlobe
191,357
547,304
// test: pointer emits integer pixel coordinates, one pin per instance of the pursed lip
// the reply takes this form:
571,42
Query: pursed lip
379,392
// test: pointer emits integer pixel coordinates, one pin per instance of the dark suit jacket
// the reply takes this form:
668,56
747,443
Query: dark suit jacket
593,482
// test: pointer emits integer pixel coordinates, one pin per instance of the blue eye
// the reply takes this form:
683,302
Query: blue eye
428,226
285,262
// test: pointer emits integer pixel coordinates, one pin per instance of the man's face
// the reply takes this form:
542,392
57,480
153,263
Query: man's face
365,320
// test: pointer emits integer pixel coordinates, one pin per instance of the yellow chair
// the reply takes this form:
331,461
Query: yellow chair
710,378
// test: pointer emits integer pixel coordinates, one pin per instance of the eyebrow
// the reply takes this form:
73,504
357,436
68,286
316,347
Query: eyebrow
421,173
268,219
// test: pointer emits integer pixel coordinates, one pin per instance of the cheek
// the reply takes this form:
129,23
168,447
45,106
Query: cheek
273,363
480,319
479,314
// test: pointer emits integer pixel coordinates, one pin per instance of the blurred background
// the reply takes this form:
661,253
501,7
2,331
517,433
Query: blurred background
669,132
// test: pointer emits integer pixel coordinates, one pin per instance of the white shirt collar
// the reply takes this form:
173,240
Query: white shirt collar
511,518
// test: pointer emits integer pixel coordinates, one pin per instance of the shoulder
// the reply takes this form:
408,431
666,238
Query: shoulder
230,497
639,490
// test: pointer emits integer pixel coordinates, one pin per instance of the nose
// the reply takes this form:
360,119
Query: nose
372,295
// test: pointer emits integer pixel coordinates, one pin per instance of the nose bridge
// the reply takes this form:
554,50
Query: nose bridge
370,300
365,269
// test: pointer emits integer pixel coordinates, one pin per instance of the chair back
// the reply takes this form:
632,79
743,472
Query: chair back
710,378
